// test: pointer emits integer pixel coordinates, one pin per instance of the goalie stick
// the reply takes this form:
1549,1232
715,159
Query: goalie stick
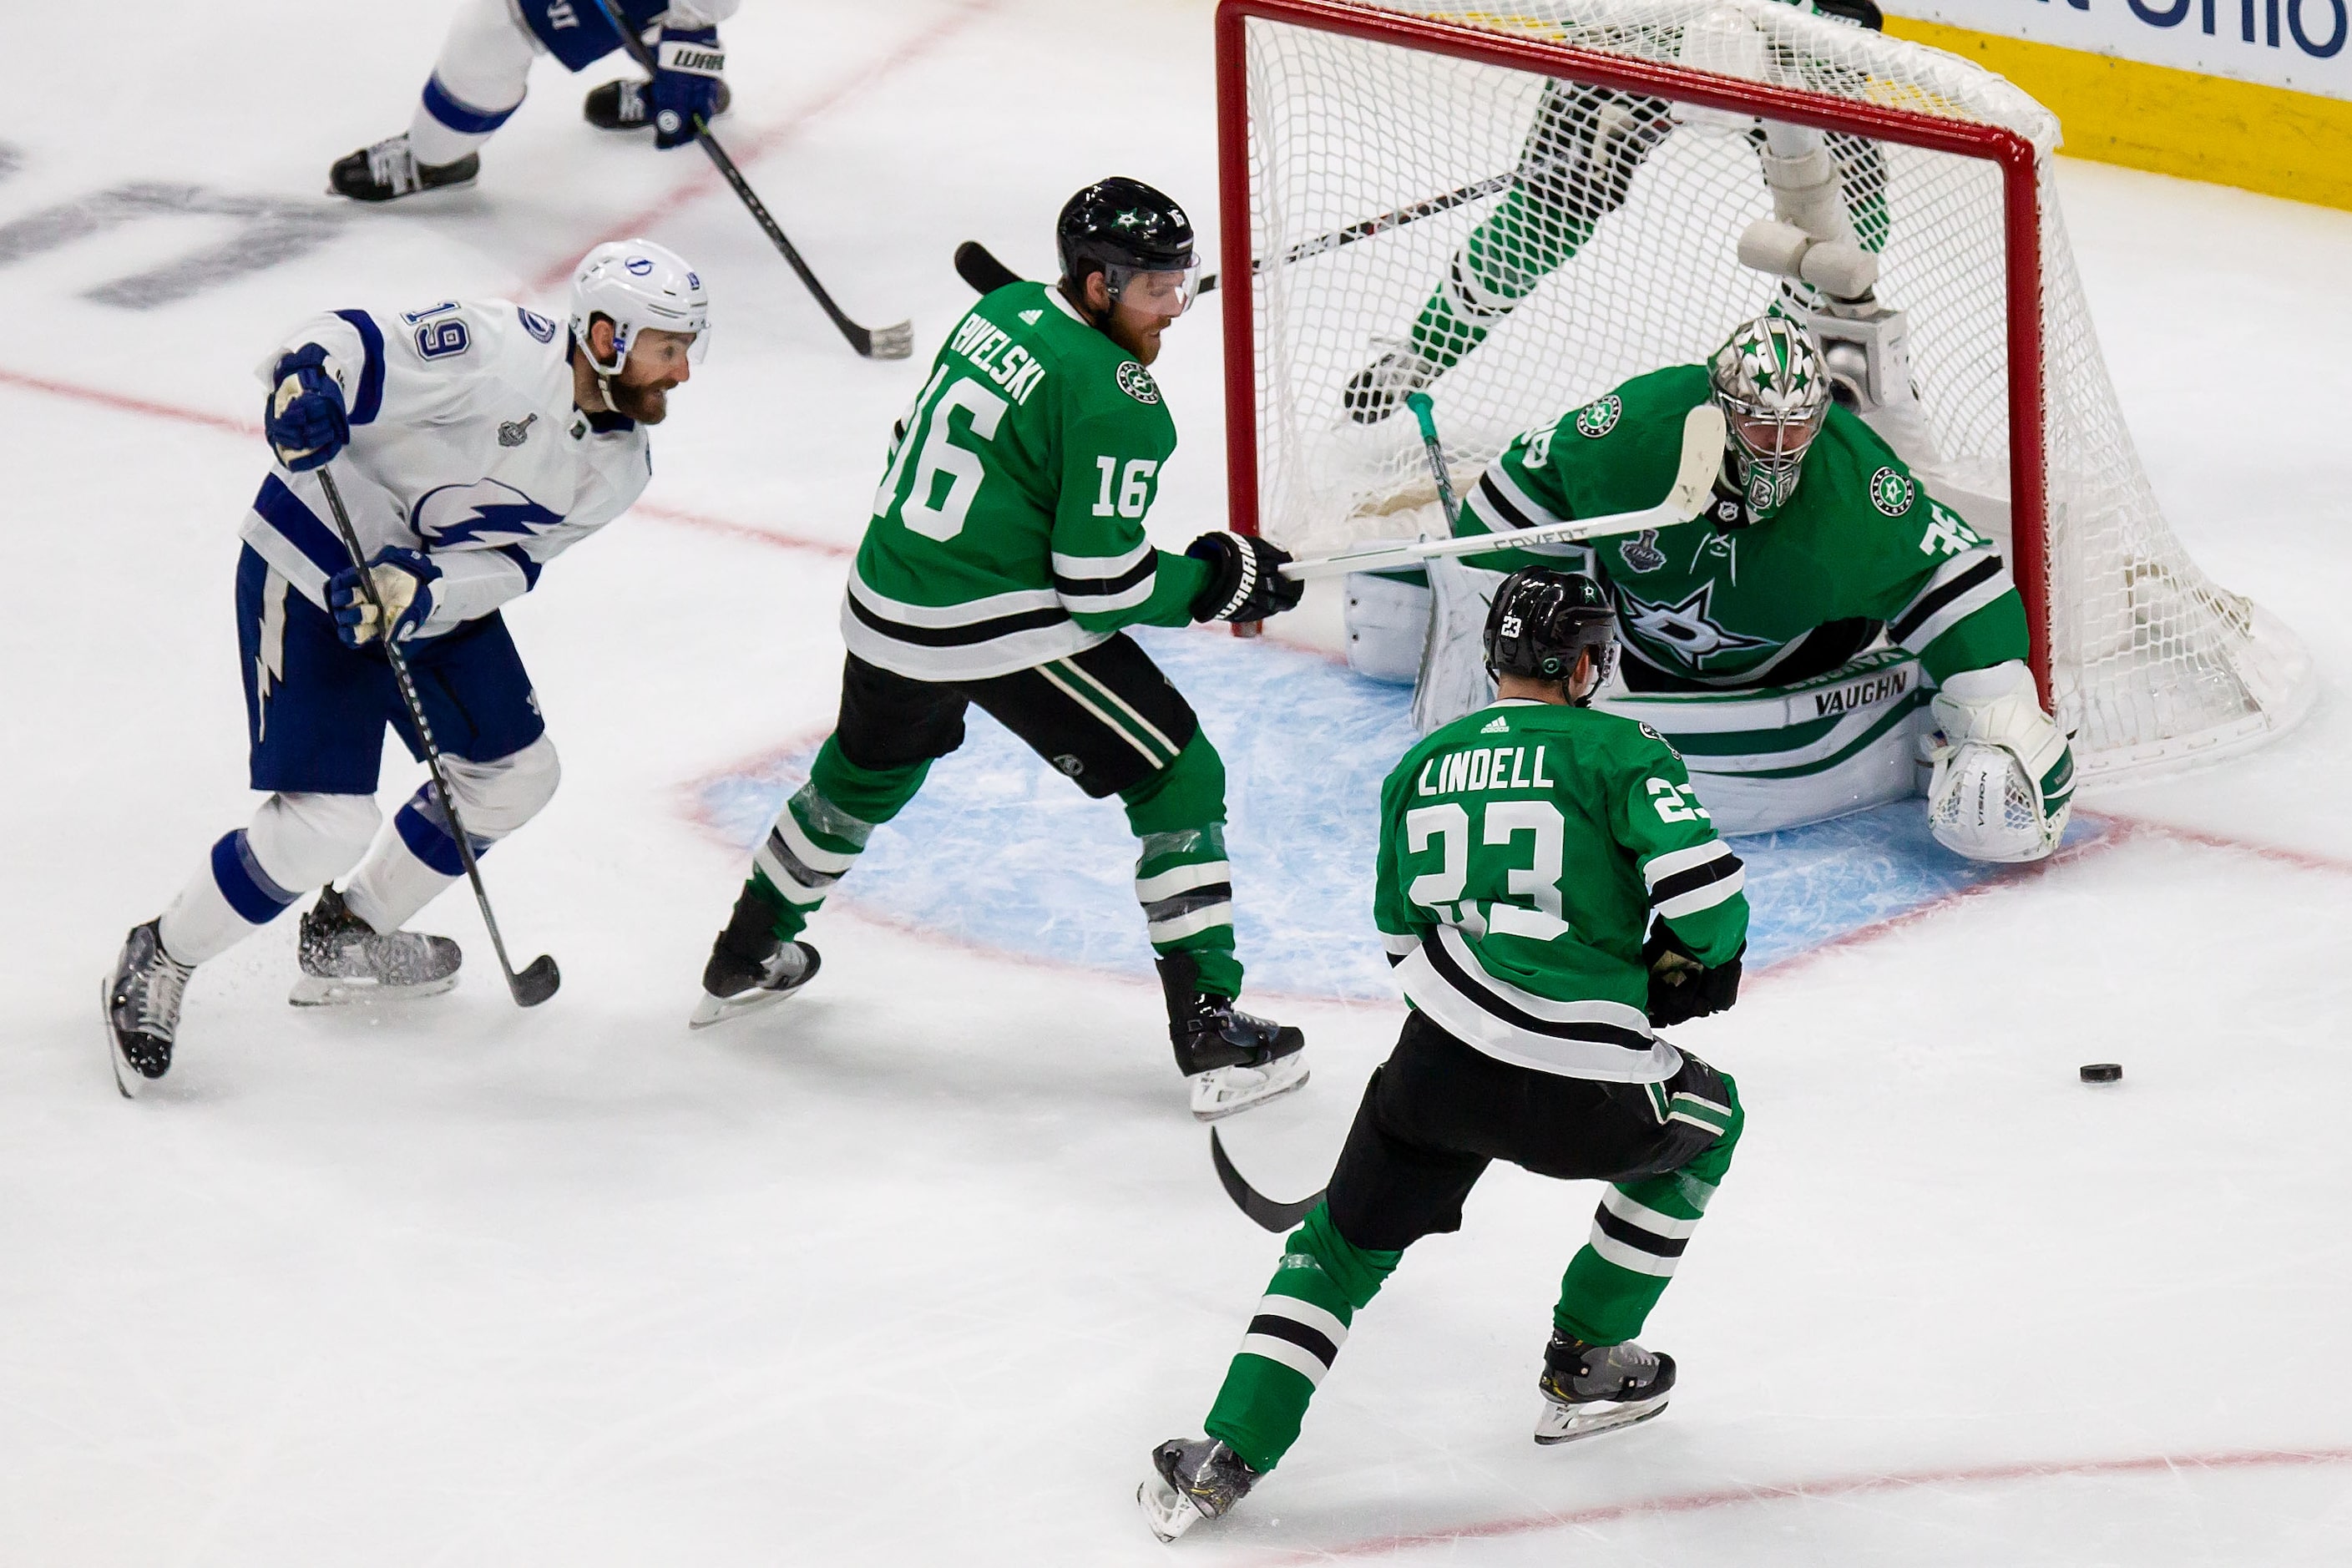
538,983
1268,1214
1702,456
879,342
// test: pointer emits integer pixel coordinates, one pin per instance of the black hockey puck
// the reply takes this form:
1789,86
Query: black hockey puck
2102,1072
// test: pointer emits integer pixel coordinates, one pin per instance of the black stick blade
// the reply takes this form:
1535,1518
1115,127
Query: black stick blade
536,983
1268,1214
976,266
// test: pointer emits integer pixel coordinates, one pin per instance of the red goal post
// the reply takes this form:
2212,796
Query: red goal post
2013,154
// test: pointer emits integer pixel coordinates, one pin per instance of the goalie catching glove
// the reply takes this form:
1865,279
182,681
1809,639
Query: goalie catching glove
404,583
1681,987
1246,580
2005,779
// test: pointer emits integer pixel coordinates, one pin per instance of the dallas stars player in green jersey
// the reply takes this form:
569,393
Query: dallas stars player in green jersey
1524,849
1583,148
1006,552
1778,640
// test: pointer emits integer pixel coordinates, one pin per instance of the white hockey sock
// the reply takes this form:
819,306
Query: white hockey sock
479,80
391,884
411,864
293,843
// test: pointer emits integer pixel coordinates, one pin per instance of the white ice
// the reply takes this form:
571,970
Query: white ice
917,1270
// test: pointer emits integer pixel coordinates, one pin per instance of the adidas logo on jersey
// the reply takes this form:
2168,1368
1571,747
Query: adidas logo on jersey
1498,725
1030,317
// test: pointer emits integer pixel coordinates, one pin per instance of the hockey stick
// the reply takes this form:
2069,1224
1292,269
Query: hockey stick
1702,435
881,343
1424,415
1268,1214
538,983
1368,227
976,266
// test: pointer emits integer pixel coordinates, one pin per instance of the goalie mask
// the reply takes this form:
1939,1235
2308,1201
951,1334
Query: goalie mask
639,287
1774,390
1542,619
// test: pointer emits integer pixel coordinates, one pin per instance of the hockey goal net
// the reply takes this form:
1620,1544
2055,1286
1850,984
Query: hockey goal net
1366,145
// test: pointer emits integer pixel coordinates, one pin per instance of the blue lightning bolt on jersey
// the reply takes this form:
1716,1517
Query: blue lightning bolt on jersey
464,445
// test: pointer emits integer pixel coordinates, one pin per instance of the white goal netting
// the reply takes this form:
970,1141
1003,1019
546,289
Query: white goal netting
1565,237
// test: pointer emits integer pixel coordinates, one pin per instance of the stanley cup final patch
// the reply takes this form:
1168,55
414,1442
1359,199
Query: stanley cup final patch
1891,492
1137,382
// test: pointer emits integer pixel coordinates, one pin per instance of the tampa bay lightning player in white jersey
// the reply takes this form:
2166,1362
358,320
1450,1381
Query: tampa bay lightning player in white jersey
473,441
479,79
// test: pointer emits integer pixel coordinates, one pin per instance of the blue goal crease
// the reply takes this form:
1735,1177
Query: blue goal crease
1000,851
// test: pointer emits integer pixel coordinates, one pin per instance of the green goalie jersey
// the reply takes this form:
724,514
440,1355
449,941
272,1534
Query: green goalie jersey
1008,530
1859,547
1523,848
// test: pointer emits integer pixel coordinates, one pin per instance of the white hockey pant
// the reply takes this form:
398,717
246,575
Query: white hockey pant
299,841
477,83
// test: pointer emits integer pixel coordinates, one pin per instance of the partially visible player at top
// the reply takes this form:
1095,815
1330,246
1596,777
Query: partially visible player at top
1525,850
1584,147
482,73
1005,554
472,441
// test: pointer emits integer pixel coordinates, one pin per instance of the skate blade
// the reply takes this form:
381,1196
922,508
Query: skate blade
1168,1511
1208,1105
719,1009
327,991
1559,1425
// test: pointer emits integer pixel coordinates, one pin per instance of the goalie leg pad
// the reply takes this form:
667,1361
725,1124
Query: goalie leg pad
2004,780
1386,617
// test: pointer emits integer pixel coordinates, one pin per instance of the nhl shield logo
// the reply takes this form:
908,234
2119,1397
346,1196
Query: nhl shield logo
1596,420
1891,492
1137,382
1641,553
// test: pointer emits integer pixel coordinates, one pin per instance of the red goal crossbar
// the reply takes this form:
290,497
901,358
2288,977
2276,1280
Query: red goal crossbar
2021,226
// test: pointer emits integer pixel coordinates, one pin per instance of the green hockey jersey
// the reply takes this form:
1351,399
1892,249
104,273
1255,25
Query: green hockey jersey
1523,848
1860,545
1008,530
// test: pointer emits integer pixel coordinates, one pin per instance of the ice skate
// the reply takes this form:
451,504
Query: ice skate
344,958
1373,393
142,1003
1233,1059
750,967
1590,1389
388,170
1190,1481
626,105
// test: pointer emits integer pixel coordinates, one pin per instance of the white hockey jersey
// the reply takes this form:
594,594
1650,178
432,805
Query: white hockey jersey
464,445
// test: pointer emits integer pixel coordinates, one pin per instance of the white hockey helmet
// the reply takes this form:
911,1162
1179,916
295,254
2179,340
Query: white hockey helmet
641,286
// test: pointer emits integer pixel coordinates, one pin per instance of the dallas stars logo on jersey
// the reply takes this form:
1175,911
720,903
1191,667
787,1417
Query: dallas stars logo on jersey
1890,492
1687,631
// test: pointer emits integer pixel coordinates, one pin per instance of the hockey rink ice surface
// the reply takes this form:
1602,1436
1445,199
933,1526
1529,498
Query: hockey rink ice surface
917,1269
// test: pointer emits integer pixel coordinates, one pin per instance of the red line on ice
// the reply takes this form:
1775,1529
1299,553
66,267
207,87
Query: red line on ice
1831,1486
758,145
98,397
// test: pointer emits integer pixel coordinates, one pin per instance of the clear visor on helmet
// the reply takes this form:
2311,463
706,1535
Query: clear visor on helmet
1153,291
627,343
1775,439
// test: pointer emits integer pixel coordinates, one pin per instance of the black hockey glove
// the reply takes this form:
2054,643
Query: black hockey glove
1681,987
1244,582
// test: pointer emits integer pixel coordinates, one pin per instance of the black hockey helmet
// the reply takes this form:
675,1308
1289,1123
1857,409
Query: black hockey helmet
1120,228
1541,619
